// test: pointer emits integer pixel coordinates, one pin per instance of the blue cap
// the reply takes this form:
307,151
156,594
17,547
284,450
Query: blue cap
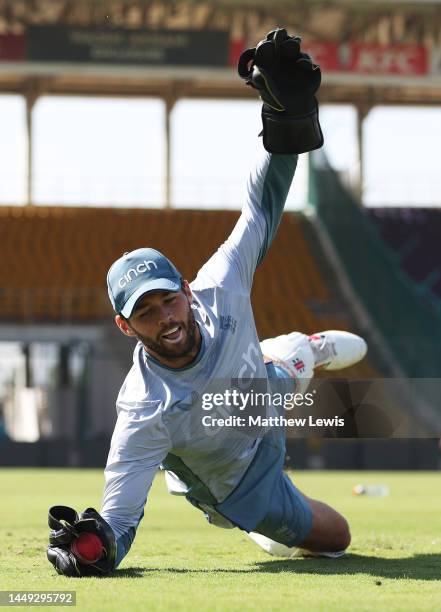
136,273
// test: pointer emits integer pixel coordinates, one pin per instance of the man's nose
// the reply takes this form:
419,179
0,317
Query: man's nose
164,316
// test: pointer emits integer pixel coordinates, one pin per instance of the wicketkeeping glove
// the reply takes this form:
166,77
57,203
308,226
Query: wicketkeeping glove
81,545
287,81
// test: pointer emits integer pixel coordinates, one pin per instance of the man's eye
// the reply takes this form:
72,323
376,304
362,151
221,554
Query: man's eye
169,299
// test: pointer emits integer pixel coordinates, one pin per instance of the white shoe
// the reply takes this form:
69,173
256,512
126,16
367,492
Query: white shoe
335,350
326,555
276,549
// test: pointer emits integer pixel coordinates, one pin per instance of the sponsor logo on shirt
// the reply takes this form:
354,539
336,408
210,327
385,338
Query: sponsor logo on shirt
251,358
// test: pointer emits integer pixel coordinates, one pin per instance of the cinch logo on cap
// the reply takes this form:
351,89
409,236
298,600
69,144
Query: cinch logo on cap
134,272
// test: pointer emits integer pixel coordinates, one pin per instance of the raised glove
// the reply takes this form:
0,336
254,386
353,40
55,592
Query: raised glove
74,537
287,81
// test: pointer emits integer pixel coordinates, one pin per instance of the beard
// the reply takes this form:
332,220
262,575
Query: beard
186,347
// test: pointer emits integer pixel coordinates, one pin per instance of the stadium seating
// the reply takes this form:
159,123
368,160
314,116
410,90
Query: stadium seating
413,236
55,261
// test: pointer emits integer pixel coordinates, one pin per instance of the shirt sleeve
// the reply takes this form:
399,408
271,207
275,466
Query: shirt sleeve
234,263
139,444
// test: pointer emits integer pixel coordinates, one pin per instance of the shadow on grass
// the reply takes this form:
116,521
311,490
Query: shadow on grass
417,567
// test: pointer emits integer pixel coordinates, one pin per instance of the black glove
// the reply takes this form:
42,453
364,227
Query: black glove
62,551
287,81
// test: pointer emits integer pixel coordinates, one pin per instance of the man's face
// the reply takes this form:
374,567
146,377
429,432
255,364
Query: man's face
164,322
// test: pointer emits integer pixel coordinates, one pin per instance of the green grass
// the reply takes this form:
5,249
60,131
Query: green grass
178,562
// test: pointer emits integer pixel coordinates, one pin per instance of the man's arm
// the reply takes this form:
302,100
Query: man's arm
233,265
287,81
139,445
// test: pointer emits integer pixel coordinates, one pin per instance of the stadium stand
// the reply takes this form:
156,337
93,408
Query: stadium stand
413,234
60,256
409,322
56,258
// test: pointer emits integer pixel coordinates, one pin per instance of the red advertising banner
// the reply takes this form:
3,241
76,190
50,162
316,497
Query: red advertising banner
236,47
12,47
323,54
404,60
375,59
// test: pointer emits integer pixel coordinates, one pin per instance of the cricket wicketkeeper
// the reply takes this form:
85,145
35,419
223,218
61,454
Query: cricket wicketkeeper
191,337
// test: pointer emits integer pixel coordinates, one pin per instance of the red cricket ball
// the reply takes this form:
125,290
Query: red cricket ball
87,548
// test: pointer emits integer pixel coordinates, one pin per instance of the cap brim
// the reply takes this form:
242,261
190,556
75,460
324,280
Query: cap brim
164,284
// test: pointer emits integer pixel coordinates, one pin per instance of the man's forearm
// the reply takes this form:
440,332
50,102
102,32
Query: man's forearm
268,193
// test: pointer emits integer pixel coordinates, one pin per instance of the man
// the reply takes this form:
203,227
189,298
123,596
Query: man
193,338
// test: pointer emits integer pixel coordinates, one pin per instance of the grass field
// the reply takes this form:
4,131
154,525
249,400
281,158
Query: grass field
178,562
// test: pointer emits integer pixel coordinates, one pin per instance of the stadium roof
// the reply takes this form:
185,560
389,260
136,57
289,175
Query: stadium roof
353,4
385,23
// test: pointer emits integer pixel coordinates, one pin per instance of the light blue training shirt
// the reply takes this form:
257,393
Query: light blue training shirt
159,408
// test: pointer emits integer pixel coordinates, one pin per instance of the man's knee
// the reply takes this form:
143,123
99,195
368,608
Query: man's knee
343,535
330,530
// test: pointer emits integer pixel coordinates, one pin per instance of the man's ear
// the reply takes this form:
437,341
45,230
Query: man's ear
124,326
186,289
